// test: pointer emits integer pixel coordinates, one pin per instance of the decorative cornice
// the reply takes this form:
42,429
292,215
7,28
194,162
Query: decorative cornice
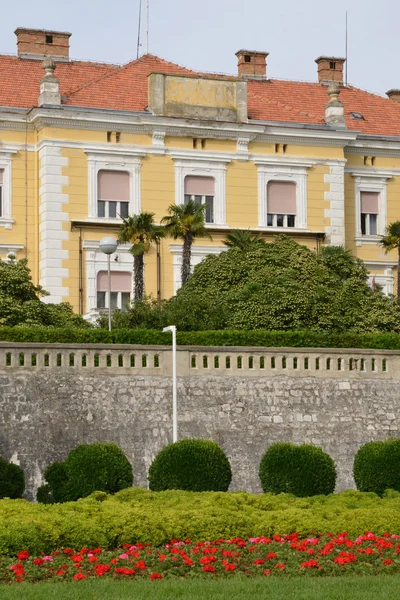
371,173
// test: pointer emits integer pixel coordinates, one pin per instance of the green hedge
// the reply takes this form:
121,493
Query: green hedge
272,339
300,470
156,517
377,466
88,467
12,480
192,465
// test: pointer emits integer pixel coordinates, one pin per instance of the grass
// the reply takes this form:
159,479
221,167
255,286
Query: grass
301,588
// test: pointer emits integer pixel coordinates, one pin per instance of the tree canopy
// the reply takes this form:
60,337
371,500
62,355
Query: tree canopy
20,300
276,286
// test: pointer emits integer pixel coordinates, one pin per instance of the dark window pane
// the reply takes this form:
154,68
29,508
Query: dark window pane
291,220
101,208
363,223
270,220
279,220
198,200
114,299
112,209
209,209
124,209
101,299
125,300
373,220
187,198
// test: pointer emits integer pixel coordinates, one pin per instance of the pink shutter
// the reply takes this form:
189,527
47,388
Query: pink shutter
369,203
120,281
281,198
1,175
199,186
113,185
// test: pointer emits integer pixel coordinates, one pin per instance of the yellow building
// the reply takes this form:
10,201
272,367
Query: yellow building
82,143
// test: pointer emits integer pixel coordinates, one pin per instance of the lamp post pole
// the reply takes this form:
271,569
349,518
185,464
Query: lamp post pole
108,246
172,329
109,290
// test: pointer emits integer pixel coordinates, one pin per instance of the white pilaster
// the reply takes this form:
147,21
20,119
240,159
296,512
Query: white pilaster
335,231
52,217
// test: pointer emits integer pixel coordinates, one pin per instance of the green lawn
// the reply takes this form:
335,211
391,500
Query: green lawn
301,588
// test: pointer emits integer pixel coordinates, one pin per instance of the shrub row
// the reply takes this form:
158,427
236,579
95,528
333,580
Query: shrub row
135,515
271,339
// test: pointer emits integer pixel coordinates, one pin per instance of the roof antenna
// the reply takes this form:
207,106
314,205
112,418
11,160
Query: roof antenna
139,27
147,25
347,37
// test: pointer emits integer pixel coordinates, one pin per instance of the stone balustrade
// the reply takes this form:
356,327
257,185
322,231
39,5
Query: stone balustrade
202,361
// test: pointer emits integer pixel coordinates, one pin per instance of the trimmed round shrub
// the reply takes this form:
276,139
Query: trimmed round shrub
12,480
377,467
56,489
192,465
97,467
299,470
89,468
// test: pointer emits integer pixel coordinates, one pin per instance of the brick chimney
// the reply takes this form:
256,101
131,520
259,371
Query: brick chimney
330,68
38,43
252,64
394,95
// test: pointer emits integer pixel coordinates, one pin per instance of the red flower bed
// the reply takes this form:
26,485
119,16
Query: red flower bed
278,556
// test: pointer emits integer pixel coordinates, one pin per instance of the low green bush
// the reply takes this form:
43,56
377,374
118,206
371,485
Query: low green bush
192,465
377,467
269,339
12,480
134,515
87,469
300,470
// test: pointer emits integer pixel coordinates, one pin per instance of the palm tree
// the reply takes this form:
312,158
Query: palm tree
186,222
391,241
243,239
141,231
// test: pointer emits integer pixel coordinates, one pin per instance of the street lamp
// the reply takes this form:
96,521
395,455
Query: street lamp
108,245
172,329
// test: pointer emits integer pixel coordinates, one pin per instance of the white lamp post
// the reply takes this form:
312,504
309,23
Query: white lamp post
172,329
108,245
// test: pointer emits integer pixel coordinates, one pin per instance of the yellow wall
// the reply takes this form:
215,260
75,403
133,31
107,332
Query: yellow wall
158,192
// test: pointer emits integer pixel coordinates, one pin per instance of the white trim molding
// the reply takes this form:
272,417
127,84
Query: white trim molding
199,253
129,163
95,261
53,275
371,181
203,167
385,280
335,230
291,171
6,220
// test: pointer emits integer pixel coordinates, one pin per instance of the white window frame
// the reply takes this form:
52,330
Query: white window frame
98,161
291,172
215,168
107,207
368,223
371,182
203,201
96,261
386,280
119,299
199,253
6,219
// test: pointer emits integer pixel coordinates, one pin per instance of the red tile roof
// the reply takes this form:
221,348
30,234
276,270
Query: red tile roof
97,85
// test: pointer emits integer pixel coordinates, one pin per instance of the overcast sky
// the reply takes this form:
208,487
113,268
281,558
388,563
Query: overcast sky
205,34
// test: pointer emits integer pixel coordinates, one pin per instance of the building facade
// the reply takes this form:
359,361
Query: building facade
83,144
